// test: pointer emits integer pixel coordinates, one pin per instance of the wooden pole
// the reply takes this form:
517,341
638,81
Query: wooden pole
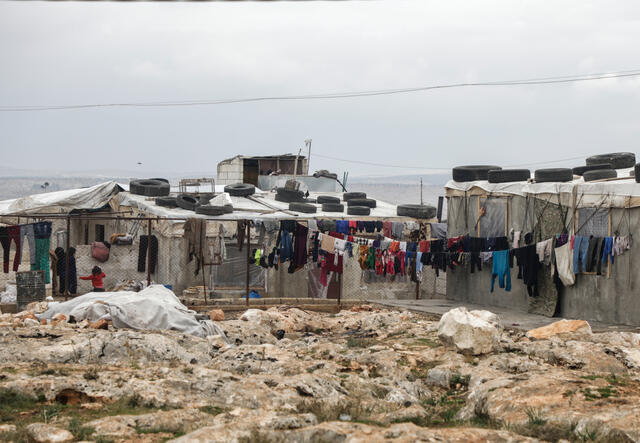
248,258
203,236
149,253
609,235
66,259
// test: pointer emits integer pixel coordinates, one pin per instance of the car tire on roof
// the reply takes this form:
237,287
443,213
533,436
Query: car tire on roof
332,207
617,160
351,195
289,195
368,202
358,210
240,189
553,175
149,188
164,180
210,210
416,211
303,207
508,175
580,170
167,202
599,174
327,199
187,202
471,173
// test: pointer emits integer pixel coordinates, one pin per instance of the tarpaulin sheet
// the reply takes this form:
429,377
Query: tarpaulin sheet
620,193
153,308
93,197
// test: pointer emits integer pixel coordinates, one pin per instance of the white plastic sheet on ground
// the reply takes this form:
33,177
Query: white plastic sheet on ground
154,308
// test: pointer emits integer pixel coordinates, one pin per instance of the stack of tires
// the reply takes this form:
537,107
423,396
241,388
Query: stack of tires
358,203
604,166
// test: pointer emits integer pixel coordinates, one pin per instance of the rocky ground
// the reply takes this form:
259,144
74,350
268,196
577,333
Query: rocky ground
287,375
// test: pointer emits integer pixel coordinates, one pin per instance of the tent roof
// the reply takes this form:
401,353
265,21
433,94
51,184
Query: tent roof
62,202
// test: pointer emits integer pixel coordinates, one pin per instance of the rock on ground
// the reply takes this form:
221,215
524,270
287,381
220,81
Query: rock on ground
43,433
470,332
561,329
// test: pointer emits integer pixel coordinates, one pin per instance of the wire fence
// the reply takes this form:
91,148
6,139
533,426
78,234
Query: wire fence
216,263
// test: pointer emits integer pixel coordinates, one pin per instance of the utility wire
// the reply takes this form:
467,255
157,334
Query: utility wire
386,165
335,95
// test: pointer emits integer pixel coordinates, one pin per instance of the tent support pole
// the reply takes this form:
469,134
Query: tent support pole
66,259
248,259
149,253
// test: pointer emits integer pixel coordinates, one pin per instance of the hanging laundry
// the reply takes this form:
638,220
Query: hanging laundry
562,239
300,245
14,235
580,250
564,264
595,244
42,233
543,249
501,270
397,229
328,243
6,246
142,253
286,245
476,244
607,250
26,231
621,244
516,239
353,227
528,264
424,246
439,230
342,226
386,229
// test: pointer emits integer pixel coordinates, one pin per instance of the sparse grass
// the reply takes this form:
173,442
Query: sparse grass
426,342
616,381
91,374
213,410
459,381
549,431
535,417
600,393
325,411
590,377
187,370
80,432
402,361
358,342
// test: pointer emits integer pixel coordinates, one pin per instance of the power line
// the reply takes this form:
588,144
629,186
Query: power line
386,165
335,95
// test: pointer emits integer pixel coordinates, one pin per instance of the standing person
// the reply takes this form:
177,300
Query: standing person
96,279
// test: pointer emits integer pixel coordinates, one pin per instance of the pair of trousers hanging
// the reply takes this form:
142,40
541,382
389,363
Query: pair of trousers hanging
142,253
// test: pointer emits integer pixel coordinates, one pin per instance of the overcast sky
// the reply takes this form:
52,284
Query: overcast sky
68,53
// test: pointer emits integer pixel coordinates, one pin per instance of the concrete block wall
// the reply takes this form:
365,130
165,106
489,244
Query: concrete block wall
230,173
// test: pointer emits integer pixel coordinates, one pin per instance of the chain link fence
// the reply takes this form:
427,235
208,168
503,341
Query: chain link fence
143,250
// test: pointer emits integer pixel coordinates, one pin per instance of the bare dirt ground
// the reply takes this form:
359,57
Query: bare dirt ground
286,375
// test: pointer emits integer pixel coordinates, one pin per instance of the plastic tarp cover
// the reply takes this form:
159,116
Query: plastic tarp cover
93,197
154,308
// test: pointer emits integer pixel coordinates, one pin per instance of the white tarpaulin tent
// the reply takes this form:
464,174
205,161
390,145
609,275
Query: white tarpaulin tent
154,308
93,197
620,193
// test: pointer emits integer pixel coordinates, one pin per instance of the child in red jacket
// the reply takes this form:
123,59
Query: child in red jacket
96,279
